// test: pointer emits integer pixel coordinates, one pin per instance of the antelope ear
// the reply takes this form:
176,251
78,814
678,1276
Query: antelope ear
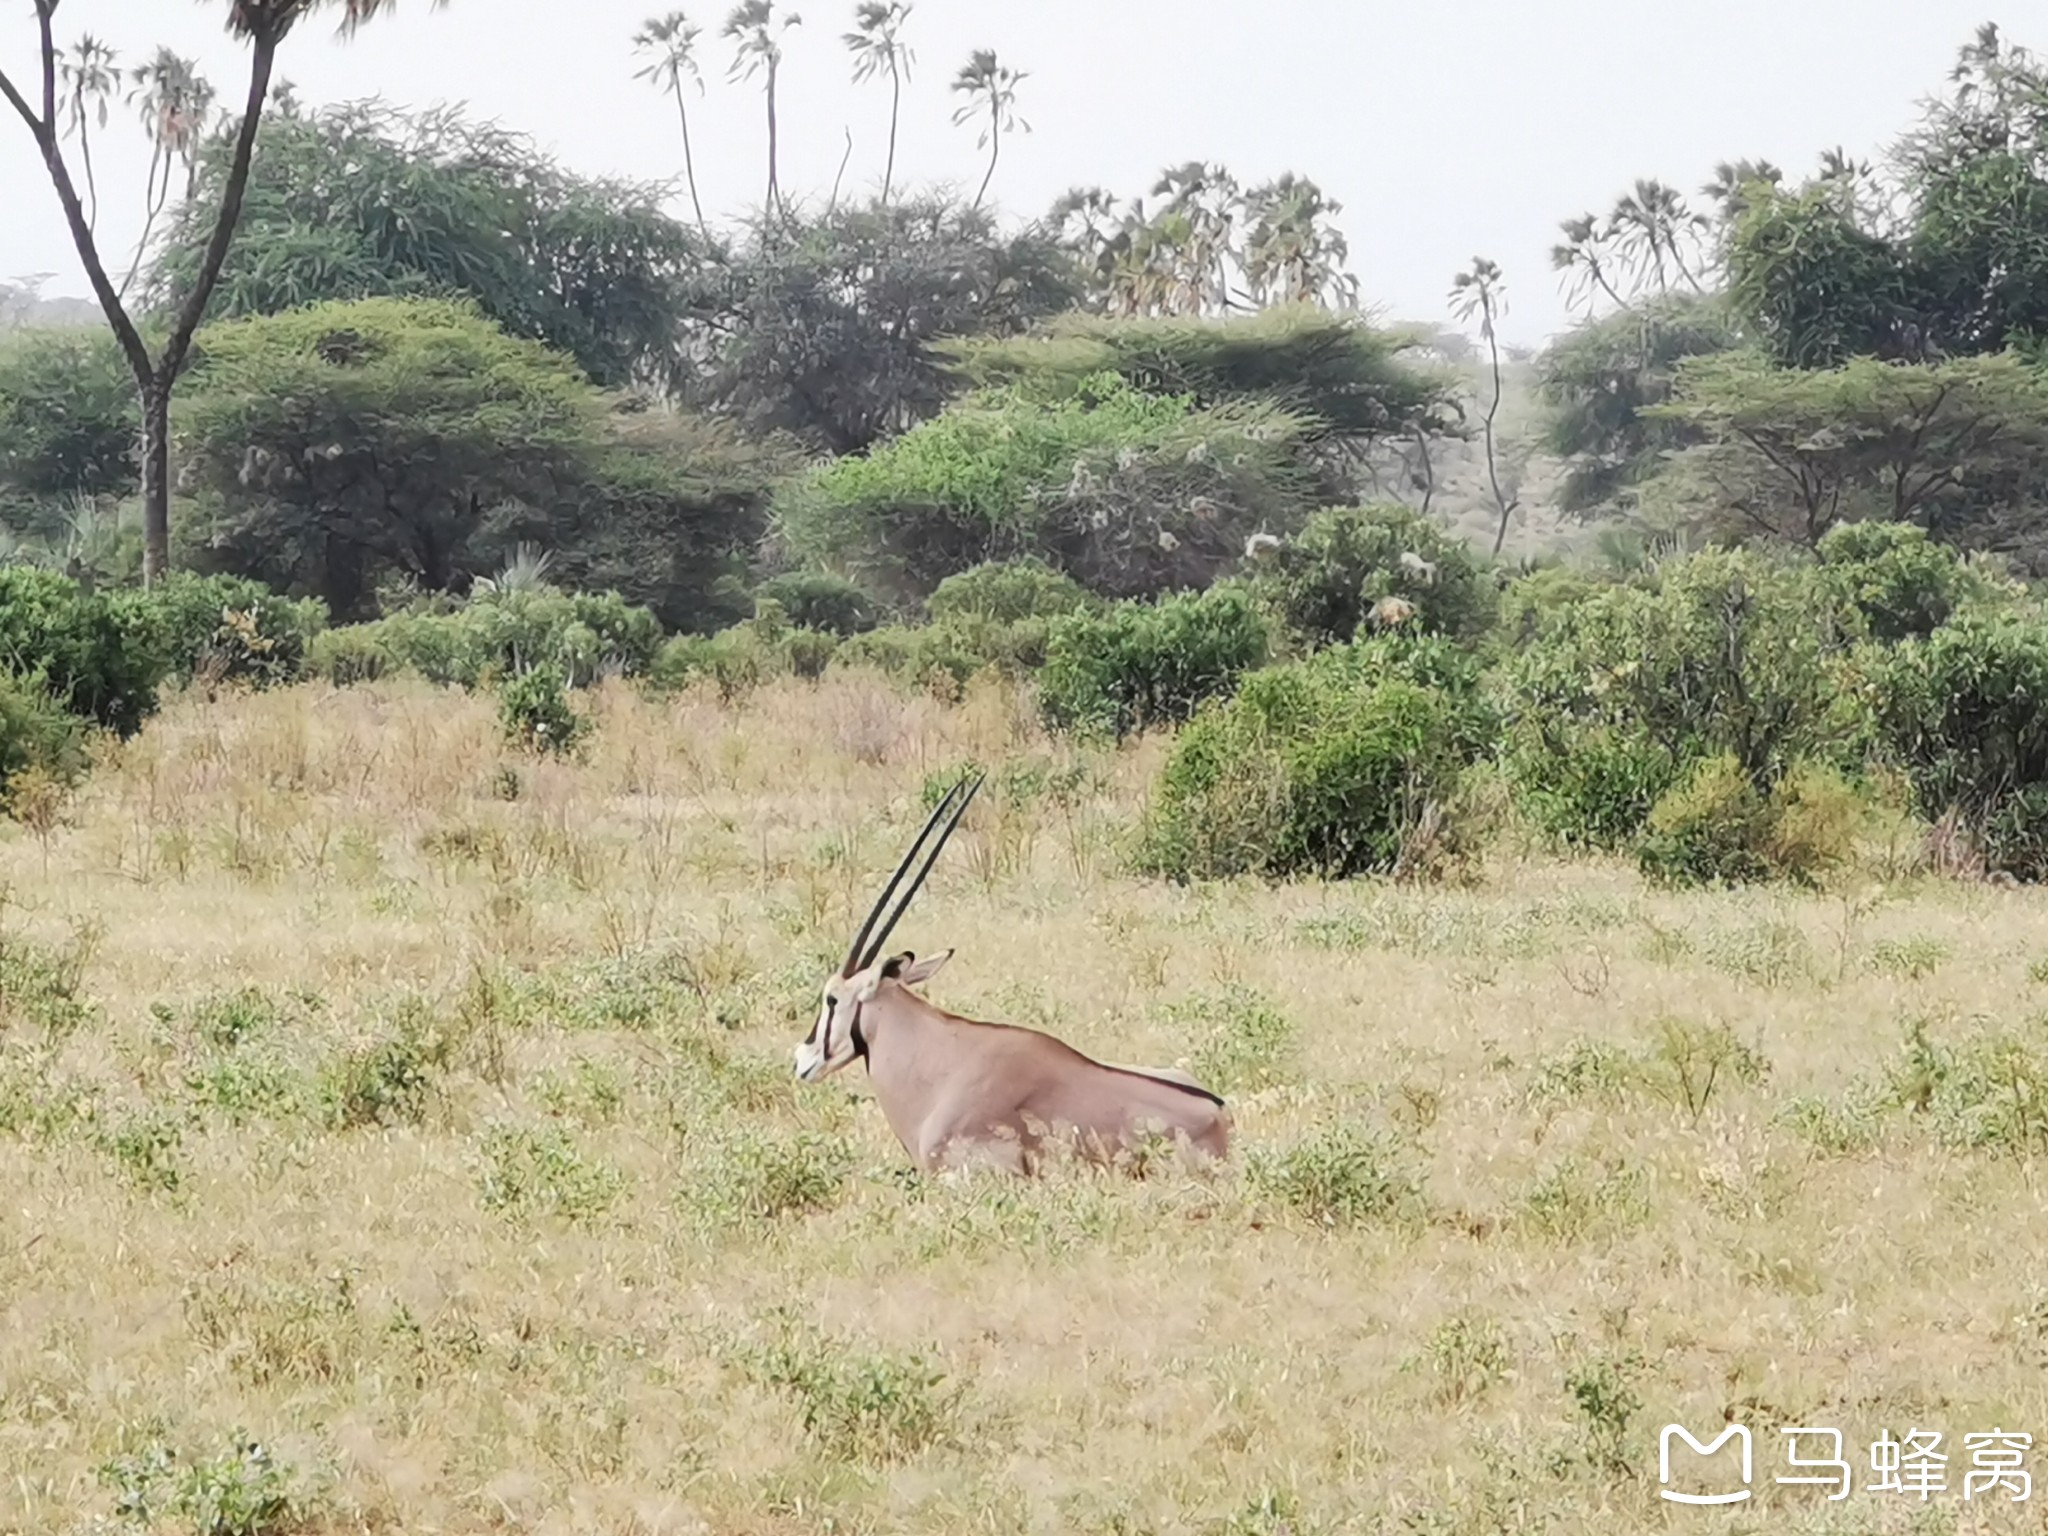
911,971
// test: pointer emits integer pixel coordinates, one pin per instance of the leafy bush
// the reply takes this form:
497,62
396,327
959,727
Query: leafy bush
1707,829
819,601
228,627
1007,592
1714,828
1328,581
535,711
1617,693
1131,494
1137,665
1901,582
1961,712
350,654
97,655
35,732
744,656
496,634
1340,765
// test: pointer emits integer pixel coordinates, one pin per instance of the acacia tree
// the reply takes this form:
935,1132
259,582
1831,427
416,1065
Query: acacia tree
991,90
876,44
672,39
264,24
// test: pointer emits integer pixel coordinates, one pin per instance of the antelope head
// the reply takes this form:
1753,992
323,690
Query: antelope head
836,1040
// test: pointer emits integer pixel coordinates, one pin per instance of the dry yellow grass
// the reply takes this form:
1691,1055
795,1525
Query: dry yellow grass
430,1122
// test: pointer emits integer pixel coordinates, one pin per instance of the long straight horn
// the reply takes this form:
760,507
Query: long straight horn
938,845
852,961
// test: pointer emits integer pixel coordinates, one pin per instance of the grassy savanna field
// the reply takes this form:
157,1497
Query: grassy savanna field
422,1112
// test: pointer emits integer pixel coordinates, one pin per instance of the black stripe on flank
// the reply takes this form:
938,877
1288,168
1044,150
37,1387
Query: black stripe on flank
1167,1082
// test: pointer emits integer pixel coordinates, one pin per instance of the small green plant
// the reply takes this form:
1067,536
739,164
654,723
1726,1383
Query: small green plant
1690,1061
766,1178
1467,1355
1338,1176
386,1080
1602,1389
241,1491
857,1404
528,1170
535,711
146,1144
1908,959
1708,829
1576,1199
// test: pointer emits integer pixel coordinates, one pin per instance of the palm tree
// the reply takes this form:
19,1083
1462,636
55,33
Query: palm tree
876,44
1203,202
1292,254
264,25
752,25
89,79
1581,255
1729,189
991,90
175,102
1648,226
672,39
1480,292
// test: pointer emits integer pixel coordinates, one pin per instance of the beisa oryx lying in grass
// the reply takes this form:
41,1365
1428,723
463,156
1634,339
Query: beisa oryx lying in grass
957,1091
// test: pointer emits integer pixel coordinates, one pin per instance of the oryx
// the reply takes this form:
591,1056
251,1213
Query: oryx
957,1090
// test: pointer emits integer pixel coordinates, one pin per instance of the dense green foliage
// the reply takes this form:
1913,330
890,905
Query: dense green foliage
1337,576
68,423
433,205
1137,665
1347,763
1129,493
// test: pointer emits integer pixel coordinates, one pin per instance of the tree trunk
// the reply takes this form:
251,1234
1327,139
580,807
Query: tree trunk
156,481
774,187
895,105
689,165
156,394
995,149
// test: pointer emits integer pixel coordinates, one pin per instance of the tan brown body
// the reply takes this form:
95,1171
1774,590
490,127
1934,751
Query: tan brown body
957,1090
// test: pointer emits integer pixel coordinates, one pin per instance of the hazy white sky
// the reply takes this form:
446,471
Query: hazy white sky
1444,130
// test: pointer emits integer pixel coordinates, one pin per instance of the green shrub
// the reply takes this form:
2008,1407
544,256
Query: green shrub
350,654
1707,829
1714,827
1326,581
1137,665
1007,591
1129,493
1901,582
819,601
98,656
1616,694
741,658
535,711
36,732
1336,766
1961,712
227,627
496,634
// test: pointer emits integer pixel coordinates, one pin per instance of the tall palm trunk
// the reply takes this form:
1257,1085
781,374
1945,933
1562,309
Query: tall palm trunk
995,150
774,186
92,191
895,106
1500,536
153,199
689,164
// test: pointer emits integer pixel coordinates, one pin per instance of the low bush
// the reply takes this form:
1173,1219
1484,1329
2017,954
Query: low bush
36,733
227,627
1351,762
1713,827
817,600
1350,568
97,655
1961,712
494,635
1137,665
